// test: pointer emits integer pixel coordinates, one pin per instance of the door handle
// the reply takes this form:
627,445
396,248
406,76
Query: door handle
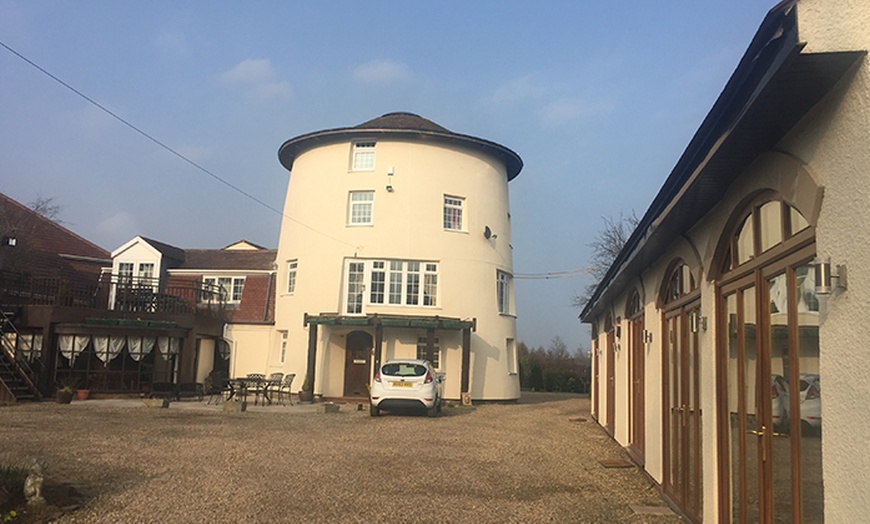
760,433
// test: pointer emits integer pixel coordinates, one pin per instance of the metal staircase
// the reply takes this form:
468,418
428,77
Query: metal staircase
16,375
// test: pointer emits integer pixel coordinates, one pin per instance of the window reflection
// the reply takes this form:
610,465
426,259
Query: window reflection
745,241
809,391
770,215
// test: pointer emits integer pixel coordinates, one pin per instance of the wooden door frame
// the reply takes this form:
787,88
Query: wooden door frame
348,356
610,424
756,276
680,308
637,396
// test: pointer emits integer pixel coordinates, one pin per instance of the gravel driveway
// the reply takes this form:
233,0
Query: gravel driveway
535,461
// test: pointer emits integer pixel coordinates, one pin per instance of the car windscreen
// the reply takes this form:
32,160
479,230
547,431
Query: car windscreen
403,369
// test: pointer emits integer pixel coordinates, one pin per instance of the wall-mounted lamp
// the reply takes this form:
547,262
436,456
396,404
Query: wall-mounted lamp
696,321
617,330
824,276
647,337
390,180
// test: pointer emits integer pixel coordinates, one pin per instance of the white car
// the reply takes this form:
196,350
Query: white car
406,384
811,402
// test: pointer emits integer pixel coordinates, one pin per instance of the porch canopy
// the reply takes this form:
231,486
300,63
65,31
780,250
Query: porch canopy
379,322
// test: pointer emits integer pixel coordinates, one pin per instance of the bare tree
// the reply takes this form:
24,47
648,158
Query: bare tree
46,207
605,247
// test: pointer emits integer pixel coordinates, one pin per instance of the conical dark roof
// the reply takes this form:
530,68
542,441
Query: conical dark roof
399,125
402,120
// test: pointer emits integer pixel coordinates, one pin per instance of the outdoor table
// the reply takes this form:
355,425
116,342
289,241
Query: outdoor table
243,385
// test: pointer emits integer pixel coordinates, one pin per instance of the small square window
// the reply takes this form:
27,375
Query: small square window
453,207
360,207
363,156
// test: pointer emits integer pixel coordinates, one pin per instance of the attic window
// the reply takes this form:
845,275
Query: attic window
767,224
363,156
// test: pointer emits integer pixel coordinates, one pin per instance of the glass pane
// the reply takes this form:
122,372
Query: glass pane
798,222
745,241
809,390
771,224
780,442
750,399
734,406
675,404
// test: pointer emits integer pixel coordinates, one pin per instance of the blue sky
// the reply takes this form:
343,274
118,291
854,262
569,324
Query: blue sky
598,98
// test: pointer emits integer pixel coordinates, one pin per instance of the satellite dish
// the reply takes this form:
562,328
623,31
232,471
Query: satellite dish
487,233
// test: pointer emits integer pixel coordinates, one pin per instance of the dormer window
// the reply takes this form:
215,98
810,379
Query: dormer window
363,156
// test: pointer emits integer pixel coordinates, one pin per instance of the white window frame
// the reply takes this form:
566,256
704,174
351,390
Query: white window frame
292,267
454,207
503,291
389,282
361,211
363,156
125,272
283,346
512,360
228,287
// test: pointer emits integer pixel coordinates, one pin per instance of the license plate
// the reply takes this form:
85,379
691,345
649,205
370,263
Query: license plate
401,384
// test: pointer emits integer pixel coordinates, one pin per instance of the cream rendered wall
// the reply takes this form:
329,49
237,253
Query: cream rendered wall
835,143
407,225
249,347
205,359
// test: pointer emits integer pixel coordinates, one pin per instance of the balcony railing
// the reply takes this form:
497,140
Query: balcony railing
115,292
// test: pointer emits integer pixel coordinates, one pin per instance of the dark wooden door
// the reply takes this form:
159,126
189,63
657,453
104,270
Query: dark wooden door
357,364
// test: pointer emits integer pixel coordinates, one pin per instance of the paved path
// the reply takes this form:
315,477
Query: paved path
536,461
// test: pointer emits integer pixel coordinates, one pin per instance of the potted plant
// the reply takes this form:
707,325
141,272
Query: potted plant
306,394
65,389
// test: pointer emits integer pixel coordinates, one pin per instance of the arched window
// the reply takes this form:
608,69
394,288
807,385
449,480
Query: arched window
767,359
767,224
633,307
681,282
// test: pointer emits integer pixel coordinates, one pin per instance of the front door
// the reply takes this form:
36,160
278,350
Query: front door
357,364
683,409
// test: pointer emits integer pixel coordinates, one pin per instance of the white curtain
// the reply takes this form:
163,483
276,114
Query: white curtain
116,345
72,345
101,347
148,344
25,346
163,346
174,344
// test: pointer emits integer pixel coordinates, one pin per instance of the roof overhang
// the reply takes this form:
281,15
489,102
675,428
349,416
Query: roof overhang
292,148
773,88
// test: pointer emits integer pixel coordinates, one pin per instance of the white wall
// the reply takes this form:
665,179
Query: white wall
408,226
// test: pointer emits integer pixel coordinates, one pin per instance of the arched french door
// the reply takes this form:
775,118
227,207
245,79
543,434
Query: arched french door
768,356
681,393
596,356
357,363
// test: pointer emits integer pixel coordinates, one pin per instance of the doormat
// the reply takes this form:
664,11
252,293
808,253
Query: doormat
616,463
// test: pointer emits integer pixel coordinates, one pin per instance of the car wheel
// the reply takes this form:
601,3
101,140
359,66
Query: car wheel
374,410
433,411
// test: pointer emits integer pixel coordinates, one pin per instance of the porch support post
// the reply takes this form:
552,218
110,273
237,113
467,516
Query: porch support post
312,353
466,361
379,342
430,344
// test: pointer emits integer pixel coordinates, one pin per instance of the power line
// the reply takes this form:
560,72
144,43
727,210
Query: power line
162,145
557,274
